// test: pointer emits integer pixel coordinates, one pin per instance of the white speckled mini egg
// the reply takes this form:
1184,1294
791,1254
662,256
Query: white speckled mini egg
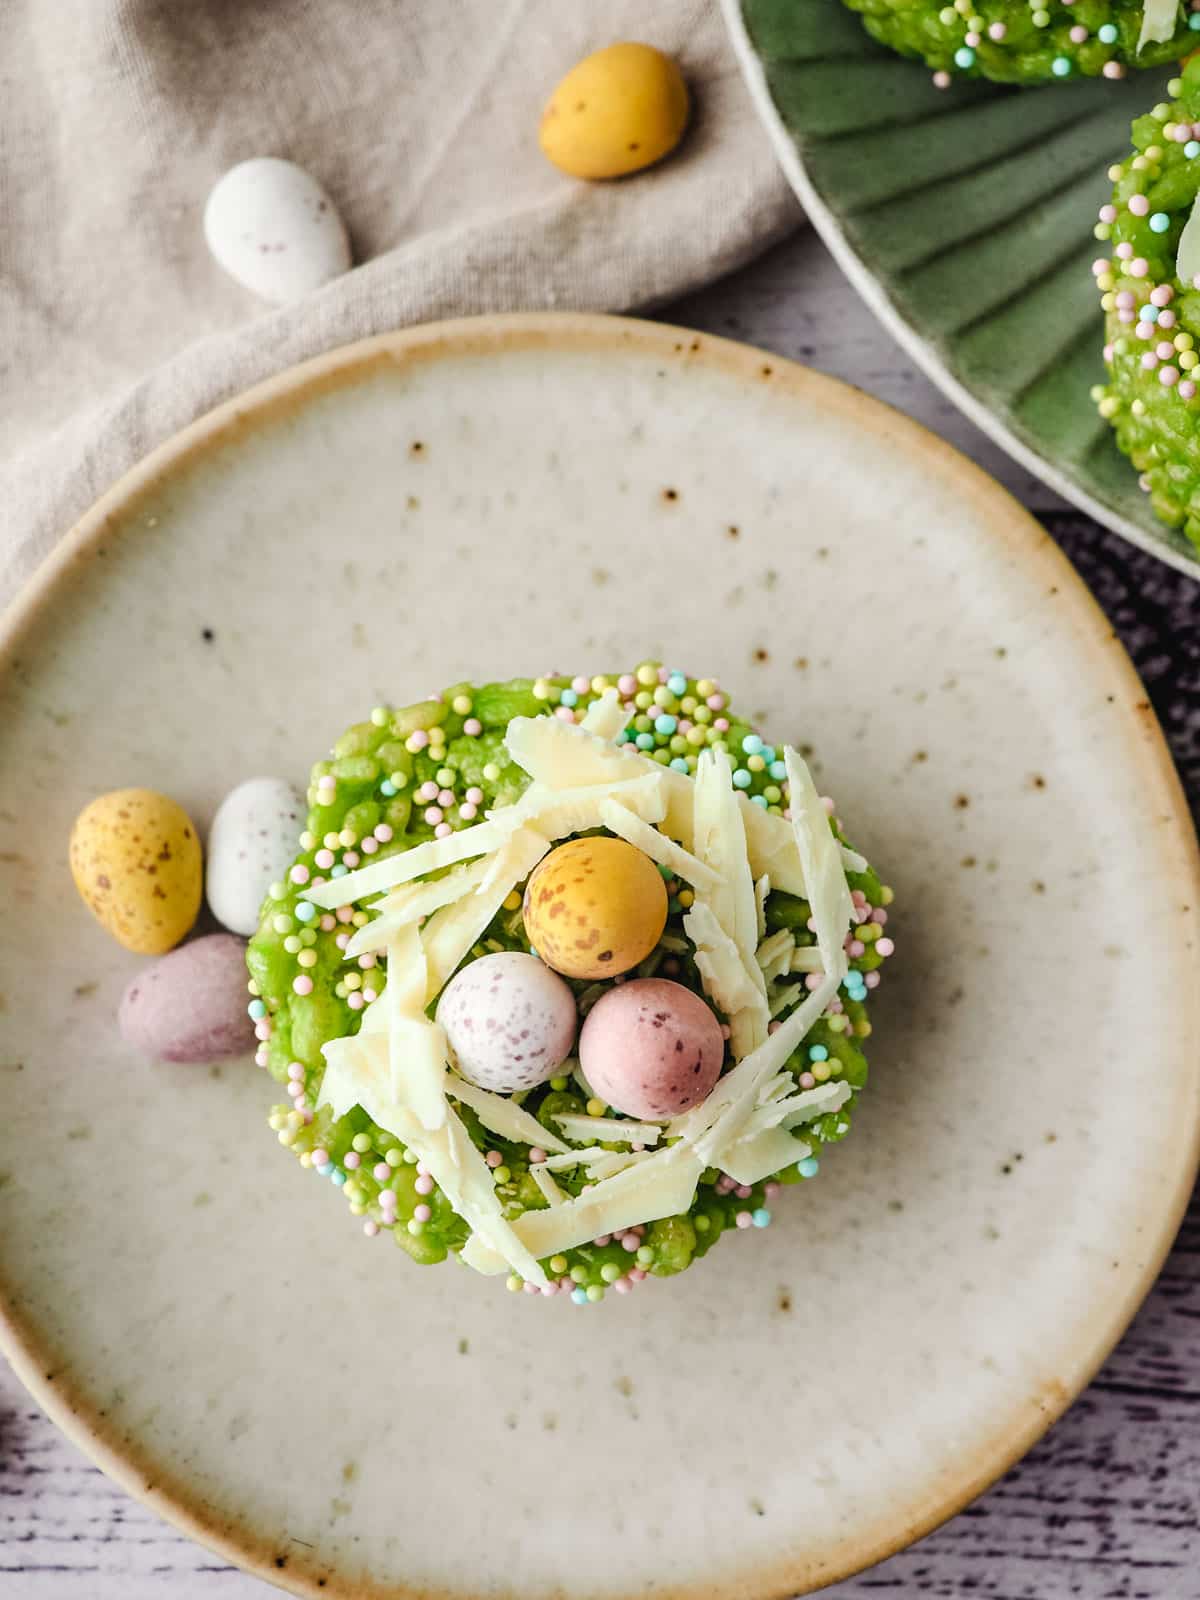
251,844
509,1020
273,228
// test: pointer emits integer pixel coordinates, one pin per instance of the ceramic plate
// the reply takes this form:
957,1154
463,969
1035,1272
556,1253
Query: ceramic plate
207,1320
964,217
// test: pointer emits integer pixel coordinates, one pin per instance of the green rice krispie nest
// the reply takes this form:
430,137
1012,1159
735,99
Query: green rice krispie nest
1011,41
432,770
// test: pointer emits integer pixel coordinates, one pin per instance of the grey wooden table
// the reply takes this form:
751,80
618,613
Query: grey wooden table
1107,1506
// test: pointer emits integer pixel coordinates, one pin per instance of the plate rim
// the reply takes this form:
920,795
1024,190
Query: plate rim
870,289
297,386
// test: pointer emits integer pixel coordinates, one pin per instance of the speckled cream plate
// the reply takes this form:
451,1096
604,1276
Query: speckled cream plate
492,497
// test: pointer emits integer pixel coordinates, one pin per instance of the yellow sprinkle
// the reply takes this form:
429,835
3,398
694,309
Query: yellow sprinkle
306,1158
307,958
1154,152
461,704
1138,407
596,1108
643,700
1188,360
1184,341
864,1029
1107,302
647,674
1139,163
1106,281
1108,407
820,1069
755,763
359,919
1115,173
599,684
307,840
287,1136
353,980
491,772
886,895
348,838
513,1283
705,687
558,1265
541,689
512,901
686,898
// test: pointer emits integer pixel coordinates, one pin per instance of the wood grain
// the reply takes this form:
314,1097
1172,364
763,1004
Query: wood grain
1108,1505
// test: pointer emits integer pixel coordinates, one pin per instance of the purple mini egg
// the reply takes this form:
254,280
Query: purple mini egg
190,1005
509,1021
651,1048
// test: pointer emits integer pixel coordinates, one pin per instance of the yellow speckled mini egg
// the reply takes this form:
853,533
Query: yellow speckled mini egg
135,858
595,907
618,111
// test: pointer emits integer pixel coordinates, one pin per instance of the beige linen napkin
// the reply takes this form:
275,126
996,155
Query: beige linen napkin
420,118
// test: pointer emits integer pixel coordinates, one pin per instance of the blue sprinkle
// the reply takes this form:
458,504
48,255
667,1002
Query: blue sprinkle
777,770
337,1176
1194,21
387,787
677,683
767,752
1107,33
568,698
579,1296
818,1052
1061,67
741,779
1192,149
665,724
1159,222
759,800
679,764
809,1167
339,871
257,1009
752,744
645,741
306,911
1148,313
761,1218
325,1170
964,57
623,737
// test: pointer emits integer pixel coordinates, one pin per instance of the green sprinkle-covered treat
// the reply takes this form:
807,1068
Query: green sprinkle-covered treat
1011,41
1150,293
454,1111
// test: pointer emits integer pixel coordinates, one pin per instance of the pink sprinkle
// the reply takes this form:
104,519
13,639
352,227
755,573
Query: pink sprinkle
1139,267
813,980
885,947
445,797
424,1185
352,1160
1167,376
1077,34
835,1008
442,829
370,994
370,1228
1164,351
474,796
721,725
345,913
423,1171
774,1027
320,1156
419,739
1181,133
872,980
627,684
996,30
472,727
726,1031
422,1213
663,674
303,984
494,1158
685,725
716,702
630,1242
262,1029
973,39
581,685
324,858
434,814
549,1288
602,1239
941,80
302,1108
299,873
468,813
1125,316
622,1285
537,1155
1187,389
295,1070
1145,330
327,781
1107,214
381,1172
1124,250
855,947
744,1219
1166,319
743,1191
772,1191
426,793
638,1274
370,845
355,1001
350,858
1113,69
879,916
1139,205
807,1081
295,1090
261,1056
342,940
1126,301
328,922
368,961
383,833
564,713
1149,361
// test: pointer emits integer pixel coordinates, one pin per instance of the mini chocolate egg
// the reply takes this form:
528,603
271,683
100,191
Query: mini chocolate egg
135,858
251,843
595,907
617,111
190,1005
509,1020
651,1048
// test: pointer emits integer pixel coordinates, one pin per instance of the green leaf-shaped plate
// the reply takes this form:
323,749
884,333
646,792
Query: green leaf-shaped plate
964,217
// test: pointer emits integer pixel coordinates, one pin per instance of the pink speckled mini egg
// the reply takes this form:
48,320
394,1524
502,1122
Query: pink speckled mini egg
651,1048
509,1020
